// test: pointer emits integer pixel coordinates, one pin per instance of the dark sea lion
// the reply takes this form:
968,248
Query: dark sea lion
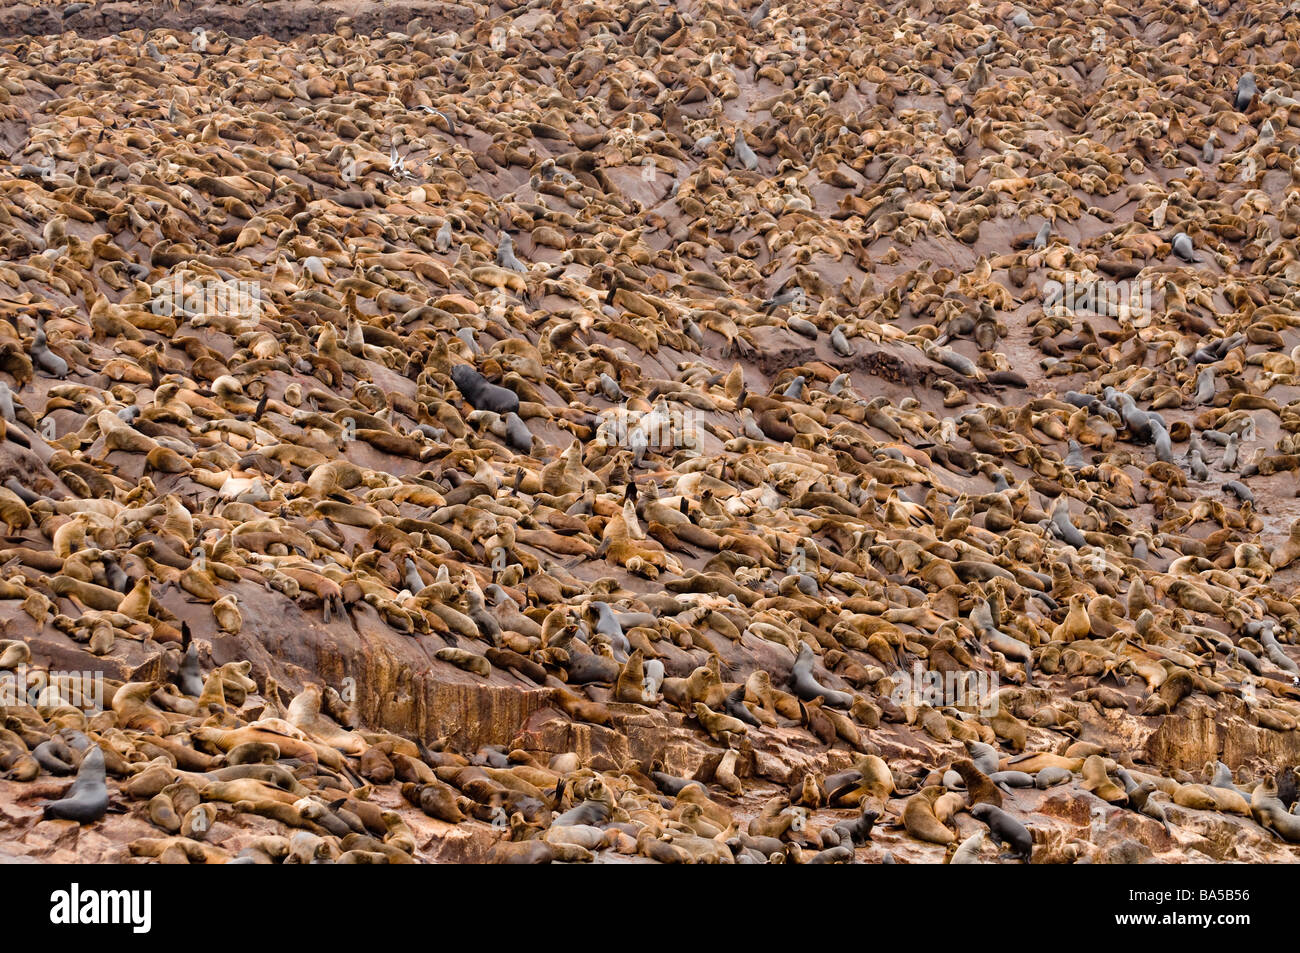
1006,828
807,687
481,393
86,801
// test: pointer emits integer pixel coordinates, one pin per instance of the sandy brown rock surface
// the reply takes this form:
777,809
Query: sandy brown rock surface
594,432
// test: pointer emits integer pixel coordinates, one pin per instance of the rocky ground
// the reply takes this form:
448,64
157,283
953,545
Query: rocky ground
837,344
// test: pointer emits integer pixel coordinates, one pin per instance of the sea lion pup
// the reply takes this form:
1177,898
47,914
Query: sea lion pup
481,393
839,854
1050,777
758,850
808,688
86,801
852,833
920,820
809,792
1006,829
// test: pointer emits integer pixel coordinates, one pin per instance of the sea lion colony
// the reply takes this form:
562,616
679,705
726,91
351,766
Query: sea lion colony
628,400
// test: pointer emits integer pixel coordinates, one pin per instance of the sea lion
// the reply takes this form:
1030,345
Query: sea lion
920,821
1183,248
1006,829
979,788
773,819
1050,776
481,393
286,392
1097,780
1246,92
968,850
86,801
858,831
1204,797
808,688
1272,814
719,726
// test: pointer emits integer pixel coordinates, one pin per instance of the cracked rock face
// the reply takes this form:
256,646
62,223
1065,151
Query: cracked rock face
605,433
